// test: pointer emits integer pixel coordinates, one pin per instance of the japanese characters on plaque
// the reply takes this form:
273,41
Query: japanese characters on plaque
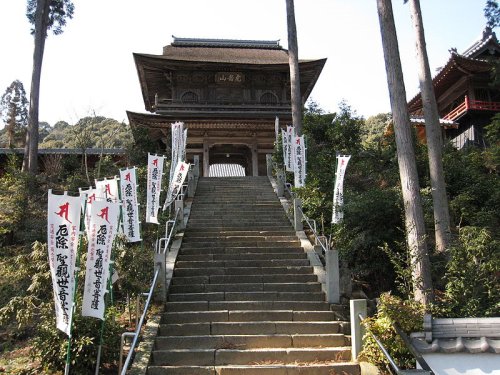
229,77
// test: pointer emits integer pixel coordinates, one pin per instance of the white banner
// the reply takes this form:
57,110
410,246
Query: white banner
276,127
103,228
107,189
284,141
130,207
338,192
87,197
299,151
63,225
184,144
176,184
179,140
155,172
175,148
290,135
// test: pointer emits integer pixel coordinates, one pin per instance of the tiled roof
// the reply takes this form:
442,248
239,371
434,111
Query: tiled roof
488,41
225,55
455,335
226,43
456,67
457,345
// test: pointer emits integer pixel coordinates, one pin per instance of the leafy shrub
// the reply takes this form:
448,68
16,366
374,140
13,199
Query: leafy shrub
408,315
472,275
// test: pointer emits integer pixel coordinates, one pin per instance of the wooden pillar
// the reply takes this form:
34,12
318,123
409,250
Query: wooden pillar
206,160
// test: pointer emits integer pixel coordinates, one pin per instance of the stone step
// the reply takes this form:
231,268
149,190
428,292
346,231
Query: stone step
346,368
208,357
240,240
237,279
269,221
253,256
278,249
246,287
250,328
251,341
247,296
202,231
246,305
242,263
285,230
243,271
246,316
243,246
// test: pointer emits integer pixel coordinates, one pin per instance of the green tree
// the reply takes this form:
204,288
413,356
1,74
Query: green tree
44,15
374,128
414,217
472,275
492,13
14,112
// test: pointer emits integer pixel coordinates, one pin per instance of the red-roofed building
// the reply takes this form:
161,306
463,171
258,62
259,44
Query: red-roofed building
465,93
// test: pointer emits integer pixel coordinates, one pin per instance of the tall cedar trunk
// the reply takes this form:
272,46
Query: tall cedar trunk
30,162
433,134
293,58
414,217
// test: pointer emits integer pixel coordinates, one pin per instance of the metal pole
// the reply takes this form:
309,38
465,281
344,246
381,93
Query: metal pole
77,268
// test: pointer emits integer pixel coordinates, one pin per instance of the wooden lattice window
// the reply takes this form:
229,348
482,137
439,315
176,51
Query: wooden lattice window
268,98
189,97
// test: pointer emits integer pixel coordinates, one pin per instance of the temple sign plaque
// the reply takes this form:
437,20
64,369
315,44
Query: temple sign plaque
229,77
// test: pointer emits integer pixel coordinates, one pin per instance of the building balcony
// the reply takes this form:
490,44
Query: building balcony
469,105
227,105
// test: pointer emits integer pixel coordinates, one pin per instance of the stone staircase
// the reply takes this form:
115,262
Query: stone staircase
243,298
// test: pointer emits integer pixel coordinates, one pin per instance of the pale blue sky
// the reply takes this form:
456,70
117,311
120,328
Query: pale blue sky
90,68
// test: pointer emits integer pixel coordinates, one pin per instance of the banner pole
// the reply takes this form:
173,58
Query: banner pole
110,289
77,269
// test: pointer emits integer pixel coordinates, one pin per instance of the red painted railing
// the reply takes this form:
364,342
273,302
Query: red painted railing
472,104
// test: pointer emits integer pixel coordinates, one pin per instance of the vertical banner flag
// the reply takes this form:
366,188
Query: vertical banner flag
176,184
290,135
300,162
338,193
155,172
276,127
284,140
130,211
107,189
103,228
175,148
184,145
63,225
179,139
90,196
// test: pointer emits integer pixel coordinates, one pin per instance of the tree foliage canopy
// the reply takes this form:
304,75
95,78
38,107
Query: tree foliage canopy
60,10
492,13
14,114
89,132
